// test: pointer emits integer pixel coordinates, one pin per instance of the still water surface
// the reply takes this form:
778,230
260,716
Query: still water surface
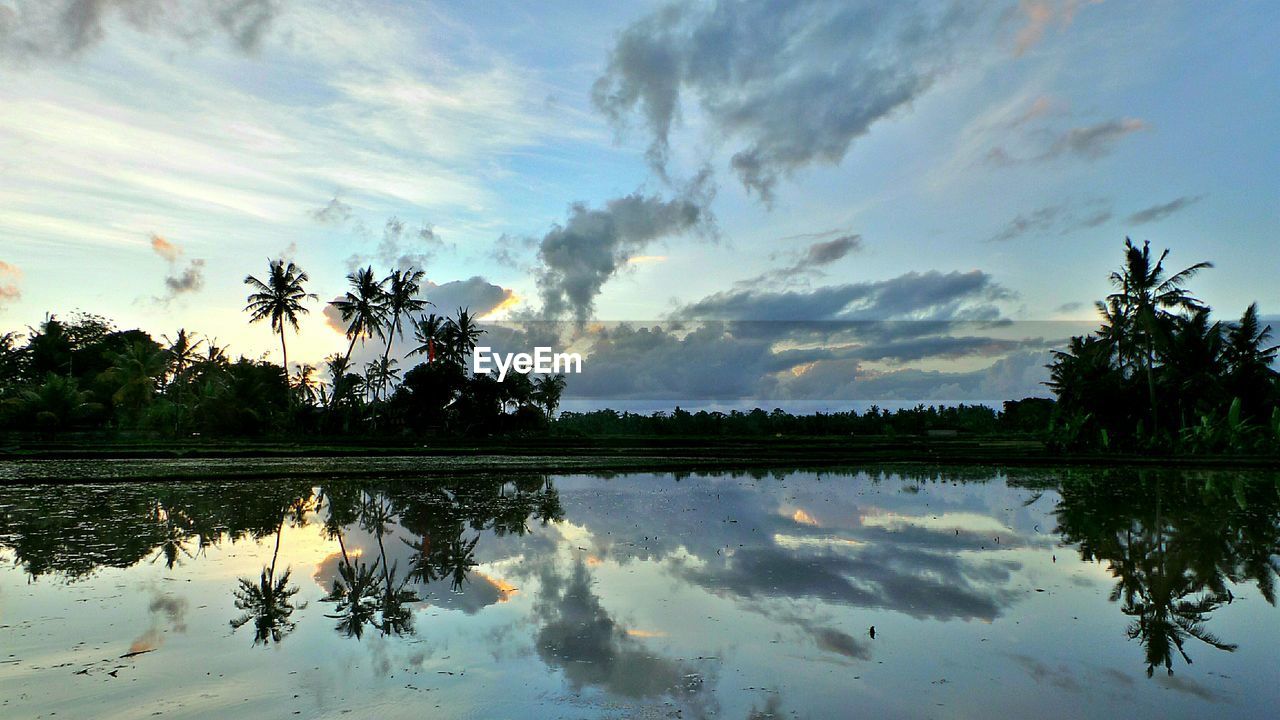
991,594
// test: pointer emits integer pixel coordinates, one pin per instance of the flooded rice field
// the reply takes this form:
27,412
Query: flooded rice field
947,593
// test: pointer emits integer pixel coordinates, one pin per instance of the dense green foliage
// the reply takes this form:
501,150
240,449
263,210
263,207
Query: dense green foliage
1159,374
83,375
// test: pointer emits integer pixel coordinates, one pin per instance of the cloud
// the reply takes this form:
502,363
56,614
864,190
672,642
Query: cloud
825,253
9,290
1039,15
1156,213
475,294
179,280
750,66
335,212
1086,142
579,257
1062,218
61,29
403,246
165,249
931,295
1094,141
189,279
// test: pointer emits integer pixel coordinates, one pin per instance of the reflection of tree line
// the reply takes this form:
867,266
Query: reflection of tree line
74,530
1174,541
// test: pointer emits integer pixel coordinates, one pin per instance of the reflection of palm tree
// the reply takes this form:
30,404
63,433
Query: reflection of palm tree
356,592
1173,553
397,616
268,603
1166,623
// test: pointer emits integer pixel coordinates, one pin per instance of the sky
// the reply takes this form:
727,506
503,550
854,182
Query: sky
685,184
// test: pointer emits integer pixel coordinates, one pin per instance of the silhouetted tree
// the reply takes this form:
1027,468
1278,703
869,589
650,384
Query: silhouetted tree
279,300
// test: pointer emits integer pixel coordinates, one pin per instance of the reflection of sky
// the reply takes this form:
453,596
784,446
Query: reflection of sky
710,595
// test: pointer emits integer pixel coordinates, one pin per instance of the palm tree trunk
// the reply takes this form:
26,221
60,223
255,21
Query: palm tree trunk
386,353
284,351
1151,389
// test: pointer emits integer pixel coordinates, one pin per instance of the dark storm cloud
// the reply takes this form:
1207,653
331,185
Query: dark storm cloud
1061,219
788,84
929,295
66,28
1162,211
579,257
334,212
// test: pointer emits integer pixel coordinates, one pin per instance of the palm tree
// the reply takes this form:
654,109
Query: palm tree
547,390
1248,371
1145,297
215,355
305,384
380,373
338,367
138,370
364,308
461,335
181,353
279,299
403,287
429,332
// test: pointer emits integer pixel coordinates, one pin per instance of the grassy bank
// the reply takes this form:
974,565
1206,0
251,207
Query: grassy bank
61,460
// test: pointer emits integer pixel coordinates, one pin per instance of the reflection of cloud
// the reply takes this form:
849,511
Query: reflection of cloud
580,638
915,582
169,607
839,642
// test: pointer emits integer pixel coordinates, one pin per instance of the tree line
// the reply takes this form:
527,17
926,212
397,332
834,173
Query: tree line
83,374
1161,374
1158,375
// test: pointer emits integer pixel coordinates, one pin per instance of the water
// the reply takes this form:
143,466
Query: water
1042,594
